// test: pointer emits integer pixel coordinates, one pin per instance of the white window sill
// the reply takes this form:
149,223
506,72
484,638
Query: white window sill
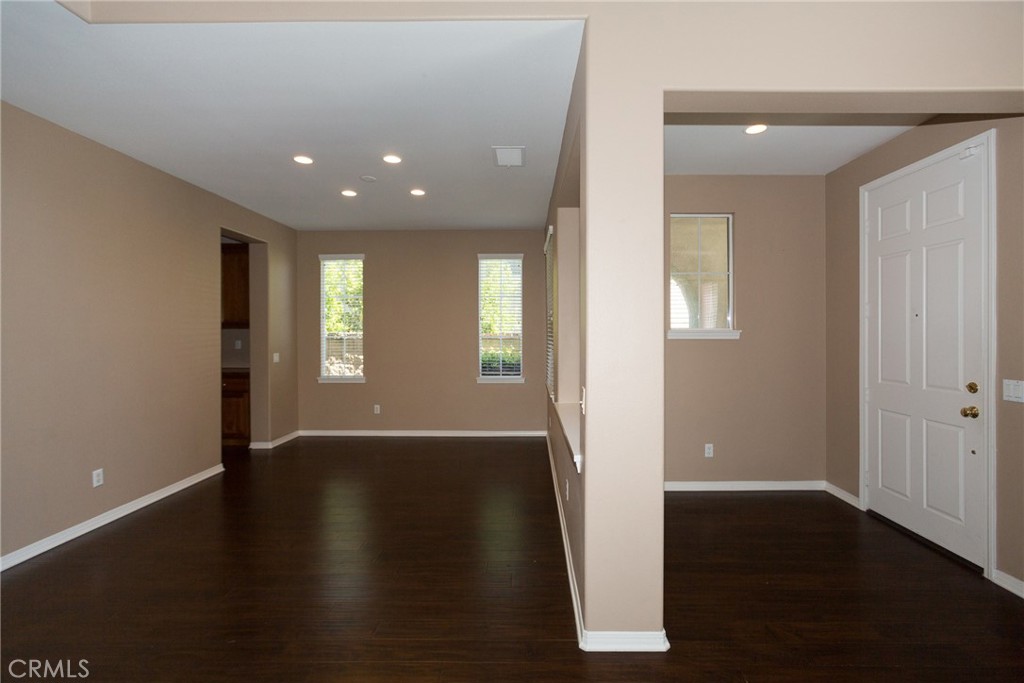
500,380
344,379
704,334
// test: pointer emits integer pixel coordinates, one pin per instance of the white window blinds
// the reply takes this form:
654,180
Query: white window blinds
501,315
341,317
549,255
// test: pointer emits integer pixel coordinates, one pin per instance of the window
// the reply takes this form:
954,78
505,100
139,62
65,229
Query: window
549,256
700,277
341,318
501,317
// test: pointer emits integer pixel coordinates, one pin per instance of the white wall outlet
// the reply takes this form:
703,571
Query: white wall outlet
277,358
238,344
97,477
709,450
376,409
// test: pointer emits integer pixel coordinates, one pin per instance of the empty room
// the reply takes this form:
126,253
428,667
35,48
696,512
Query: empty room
538,341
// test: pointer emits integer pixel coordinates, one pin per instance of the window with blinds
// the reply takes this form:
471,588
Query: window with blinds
549,255
700,275
341,318
501,316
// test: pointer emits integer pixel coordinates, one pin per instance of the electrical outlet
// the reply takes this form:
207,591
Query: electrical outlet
97,477
709,450
376,409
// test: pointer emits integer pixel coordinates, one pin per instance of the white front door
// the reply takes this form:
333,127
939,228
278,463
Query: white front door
926,357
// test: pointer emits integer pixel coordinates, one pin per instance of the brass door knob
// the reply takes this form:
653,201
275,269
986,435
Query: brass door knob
971,412
972,387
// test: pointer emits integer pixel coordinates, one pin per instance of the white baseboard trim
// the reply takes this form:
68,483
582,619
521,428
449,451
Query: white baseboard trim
1004,580
745,485
574,589
51,542
842,495
267,445
418,433
624,641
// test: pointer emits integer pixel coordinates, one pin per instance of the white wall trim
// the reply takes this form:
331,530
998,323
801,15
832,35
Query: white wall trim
266,445
418,432
844,496
1004,580
624,641
51,542
801,485
574,589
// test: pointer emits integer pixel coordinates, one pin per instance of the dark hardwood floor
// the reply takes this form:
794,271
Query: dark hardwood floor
364,560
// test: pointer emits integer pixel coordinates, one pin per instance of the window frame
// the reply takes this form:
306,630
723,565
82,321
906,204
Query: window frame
481,378
731,332
340,379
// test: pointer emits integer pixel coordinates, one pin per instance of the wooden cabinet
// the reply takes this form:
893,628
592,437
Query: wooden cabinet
234,285
235,408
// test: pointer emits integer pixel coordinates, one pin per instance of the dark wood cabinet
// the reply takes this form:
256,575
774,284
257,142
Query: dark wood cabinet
235,408
234,285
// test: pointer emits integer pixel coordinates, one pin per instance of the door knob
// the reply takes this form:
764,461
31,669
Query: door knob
971,412
972,387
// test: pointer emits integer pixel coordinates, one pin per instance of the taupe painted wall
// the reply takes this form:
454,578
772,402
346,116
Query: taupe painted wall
111,327
760,398
420,333
842,341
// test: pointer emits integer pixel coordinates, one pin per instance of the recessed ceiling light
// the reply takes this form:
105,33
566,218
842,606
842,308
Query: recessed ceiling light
417,192
756,128
349,193
367,178
392,158
303,159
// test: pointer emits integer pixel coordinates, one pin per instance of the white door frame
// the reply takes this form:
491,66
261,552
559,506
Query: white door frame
989,253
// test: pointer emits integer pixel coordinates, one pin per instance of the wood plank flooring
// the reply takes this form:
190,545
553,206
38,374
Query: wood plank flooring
440,560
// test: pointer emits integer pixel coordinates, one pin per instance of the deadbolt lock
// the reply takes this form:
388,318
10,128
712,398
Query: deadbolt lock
971,412
972,387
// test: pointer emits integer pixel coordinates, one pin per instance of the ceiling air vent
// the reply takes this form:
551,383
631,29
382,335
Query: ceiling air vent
508,156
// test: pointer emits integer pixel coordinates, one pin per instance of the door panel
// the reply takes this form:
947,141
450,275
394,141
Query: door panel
925,258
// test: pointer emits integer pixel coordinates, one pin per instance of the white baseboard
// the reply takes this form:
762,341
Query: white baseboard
417,433
843,495
1004,580
51,542
624,641
745,485
267,445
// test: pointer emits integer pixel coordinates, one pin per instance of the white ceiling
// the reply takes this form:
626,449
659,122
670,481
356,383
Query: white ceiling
781,150
227,106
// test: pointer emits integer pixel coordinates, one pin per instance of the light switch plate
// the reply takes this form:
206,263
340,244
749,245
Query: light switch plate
1013,390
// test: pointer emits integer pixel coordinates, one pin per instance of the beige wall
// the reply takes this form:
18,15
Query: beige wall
420,334
842,379
759,399
111,327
